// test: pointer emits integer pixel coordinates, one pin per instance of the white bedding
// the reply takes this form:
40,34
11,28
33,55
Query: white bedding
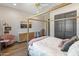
74,49
46,47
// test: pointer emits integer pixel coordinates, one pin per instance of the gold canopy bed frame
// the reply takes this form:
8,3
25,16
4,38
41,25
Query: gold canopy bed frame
46,21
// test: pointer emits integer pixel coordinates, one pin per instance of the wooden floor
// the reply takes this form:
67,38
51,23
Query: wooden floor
18,49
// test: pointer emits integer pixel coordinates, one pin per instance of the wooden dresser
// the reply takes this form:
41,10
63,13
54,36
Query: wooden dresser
23,36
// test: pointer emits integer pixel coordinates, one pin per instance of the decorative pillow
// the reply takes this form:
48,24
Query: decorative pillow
62,42
74,49
68,43
35,34
39,34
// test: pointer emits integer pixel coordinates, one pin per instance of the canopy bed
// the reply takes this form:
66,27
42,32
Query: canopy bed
50,46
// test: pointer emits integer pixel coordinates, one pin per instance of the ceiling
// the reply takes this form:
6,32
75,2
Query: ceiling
29,7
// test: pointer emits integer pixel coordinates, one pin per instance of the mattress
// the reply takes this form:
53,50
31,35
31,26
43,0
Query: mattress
48,46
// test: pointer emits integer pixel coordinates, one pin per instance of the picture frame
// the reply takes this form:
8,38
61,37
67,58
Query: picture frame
8,28
24,24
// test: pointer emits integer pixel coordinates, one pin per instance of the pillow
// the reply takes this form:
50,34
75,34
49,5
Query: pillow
35,34
62,42
74,49
39,34
68,43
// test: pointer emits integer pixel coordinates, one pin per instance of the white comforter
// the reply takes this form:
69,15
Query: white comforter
46,47
74,49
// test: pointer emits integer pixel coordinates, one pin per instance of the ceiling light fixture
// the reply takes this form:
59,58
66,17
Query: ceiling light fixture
14,4
37,5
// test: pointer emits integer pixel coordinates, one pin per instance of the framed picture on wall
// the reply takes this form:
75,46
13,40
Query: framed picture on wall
24,24
30,25
7,28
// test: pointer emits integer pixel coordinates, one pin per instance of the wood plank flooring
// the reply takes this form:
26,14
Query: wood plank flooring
18,49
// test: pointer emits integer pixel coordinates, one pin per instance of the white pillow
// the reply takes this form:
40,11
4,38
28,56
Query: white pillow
74,49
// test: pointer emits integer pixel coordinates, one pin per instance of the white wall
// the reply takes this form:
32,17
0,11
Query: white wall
1,29
45,17
71,7
13,18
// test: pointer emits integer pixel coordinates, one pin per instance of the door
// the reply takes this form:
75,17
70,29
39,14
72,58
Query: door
65,28
70,28
59,29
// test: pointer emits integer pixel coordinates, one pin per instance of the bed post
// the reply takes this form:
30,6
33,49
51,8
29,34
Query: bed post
27,36
46,28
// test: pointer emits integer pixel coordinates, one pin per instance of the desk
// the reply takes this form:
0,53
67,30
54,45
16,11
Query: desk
2,41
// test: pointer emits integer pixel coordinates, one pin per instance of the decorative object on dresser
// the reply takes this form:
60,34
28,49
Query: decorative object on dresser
39,33
42,32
